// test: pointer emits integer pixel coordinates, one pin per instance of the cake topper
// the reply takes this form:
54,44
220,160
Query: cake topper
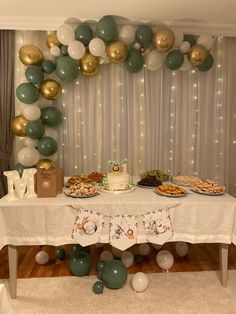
117,164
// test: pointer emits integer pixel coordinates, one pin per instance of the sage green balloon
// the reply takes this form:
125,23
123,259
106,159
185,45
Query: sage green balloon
47,146
191,39
80,265
134,62
67,69
107,29
64,50
144,35
114,274
27,93
34,74
84,33
51,116
174,60
35,129
76,248
207,64
98,287
48,66
60,253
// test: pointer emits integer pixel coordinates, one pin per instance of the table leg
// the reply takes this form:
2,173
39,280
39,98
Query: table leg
13,263
223,250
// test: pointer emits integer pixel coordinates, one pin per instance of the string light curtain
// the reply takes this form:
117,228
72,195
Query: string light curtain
179,122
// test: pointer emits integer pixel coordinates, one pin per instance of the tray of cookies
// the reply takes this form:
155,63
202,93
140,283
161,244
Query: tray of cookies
81,190
208,187
170,190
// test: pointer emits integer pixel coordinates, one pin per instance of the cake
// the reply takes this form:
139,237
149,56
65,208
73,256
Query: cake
118,181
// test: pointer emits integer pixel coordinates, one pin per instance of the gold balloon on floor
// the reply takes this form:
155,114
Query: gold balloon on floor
52,40
197,54
45,164
18,125
117,52
164,39
89,65
50,89
30,54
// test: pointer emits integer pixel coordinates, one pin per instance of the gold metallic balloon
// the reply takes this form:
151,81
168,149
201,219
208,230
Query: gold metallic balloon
45,164
52,40
50,89
30,54
197,54
164,39
18,125
89,64
117,52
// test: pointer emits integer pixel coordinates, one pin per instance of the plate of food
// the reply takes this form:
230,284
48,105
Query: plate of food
149,182
160,175
208,187
170,190
77,179
185,180
81,190
96,176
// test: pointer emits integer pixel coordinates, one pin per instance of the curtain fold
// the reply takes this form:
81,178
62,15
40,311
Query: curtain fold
7,102
178,122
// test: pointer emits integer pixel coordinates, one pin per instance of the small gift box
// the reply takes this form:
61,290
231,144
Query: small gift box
48,183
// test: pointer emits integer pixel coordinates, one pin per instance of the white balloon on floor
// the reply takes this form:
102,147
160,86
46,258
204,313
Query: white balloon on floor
181,248
116,252
127,258
42,257
164,259
156,246
106,256
144,249
139,282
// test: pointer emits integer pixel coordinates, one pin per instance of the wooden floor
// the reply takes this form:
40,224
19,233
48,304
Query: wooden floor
200,257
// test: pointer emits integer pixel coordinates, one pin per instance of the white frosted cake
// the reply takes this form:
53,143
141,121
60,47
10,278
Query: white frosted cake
118,181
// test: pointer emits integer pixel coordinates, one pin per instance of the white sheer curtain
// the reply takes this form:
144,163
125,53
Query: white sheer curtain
179,122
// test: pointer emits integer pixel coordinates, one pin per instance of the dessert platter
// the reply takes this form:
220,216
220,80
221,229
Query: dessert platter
170,190
81,190
160,175
208,187
96,176
185,180
77,179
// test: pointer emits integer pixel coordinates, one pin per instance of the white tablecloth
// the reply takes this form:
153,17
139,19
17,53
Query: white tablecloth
5,306
49,221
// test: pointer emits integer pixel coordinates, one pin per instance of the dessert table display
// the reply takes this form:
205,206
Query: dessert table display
138,216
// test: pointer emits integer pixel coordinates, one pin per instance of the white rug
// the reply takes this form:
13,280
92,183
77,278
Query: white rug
185,293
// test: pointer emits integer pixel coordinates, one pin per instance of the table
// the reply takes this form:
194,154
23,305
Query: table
49,221
5,306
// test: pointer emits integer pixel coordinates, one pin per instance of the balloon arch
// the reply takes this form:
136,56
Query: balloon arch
80,51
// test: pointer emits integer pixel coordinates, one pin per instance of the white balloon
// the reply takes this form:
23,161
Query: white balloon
154,60
41,257
106,256
139,282
104,58
55,51
184,47
127,258
181,248
47,55
205,40
186,64
31,112
42,103
30,142
164,259
127,34
28,156
97,47
144,249
65,34
51,132
22,106
156,246
179,37
76,50
116,252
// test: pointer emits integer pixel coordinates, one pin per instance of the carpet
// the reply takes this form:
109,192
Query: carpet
174,293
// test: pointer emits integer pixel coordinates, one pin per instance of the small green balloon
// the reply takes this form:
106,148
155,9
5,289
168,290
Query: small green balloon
20,168
76,248
144,35
64,50
27,93
98,287
67,69
207,64
35,129
138,258
47,146
51,116
107,29
174,60
100,265
84,33
48,66
191,39
34,74
134,62
114,274
80,265
60,253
